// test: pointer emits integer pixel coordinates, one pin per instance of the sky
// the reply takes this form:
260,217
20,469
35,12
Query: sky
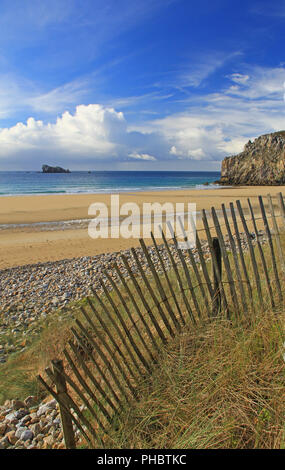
149,85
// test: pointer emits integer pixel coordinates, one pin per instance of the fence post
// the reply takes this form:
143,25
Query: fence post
217,299
281,207
67,426
276,232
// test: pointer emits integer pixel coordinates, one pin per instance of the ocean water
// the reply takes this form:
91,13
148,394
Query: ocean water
32,182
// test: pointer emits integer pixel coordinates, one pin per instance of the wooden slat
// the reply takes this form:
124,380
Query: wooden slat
201,256
282,208
252,255
226,260
99,369
107,362
116,327
126,330
134,325
217,299
91,376
186,270
268,233
168,280
276,232
241,255
106,330
263,260
177,275
137,309
236,260
159,285
144,301
215,262
105,359
195,269
86,387
152,294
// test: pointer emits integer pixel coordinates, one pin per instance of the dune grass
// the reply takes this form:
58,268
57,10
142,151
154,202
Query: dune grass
220,386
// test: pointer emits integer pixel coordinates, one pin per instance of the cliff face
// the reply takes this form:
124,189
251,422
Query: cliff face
261,163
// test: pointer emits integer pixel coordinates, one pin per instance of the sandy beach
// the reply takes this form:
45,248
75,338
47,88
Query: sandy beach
22,242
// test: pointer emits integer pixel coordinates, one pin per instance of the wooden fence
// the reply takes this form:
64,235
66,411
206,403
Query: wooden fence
146,302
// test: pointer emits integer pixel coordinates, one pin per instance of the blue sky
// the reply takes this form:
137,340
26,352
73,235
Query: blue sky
151,85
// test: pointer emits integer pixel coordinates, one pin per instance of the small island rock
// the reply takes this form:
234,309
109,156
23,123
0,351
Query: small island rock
54,169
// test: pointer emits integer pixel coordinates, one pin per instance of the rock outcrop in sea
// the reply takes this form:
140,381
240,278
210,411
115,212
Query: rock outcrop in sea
54,169
262,162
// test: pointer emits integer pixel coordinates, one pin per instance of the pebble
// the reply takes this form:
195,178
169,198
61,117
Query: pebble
27,435
44,434
51,405
12,437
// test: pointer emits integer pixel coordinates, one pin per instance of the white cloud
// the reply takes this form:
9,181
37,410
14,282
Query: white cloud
260,82
91,130
203,67
239,78
18,95
219,124
61,97
141,156
197,154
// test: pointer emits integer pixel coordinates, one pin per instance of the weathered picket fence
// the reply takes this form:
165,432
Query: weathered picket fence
117,342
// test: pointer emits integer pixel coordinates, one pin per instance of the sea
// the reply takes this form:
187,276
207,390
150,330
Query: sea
19,183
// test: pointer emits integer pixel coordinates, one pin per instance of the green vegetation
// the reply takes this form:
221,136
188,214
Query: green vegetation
220,386
43,342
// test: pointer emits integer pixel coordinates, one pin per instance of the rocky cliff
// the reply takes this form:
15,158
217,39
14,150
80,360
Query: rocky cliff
262,162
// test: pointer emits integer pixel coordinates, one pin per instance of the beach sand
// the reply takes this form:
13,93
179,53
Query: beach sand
20,245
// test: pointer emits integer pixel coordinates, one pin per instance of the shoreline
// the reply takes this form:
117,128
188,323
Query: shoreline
31,244
198,187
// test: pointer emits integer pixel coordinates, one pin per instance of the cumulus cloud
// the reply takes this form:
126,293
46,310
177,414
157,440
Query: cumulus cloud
93,133
192,154
91,130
